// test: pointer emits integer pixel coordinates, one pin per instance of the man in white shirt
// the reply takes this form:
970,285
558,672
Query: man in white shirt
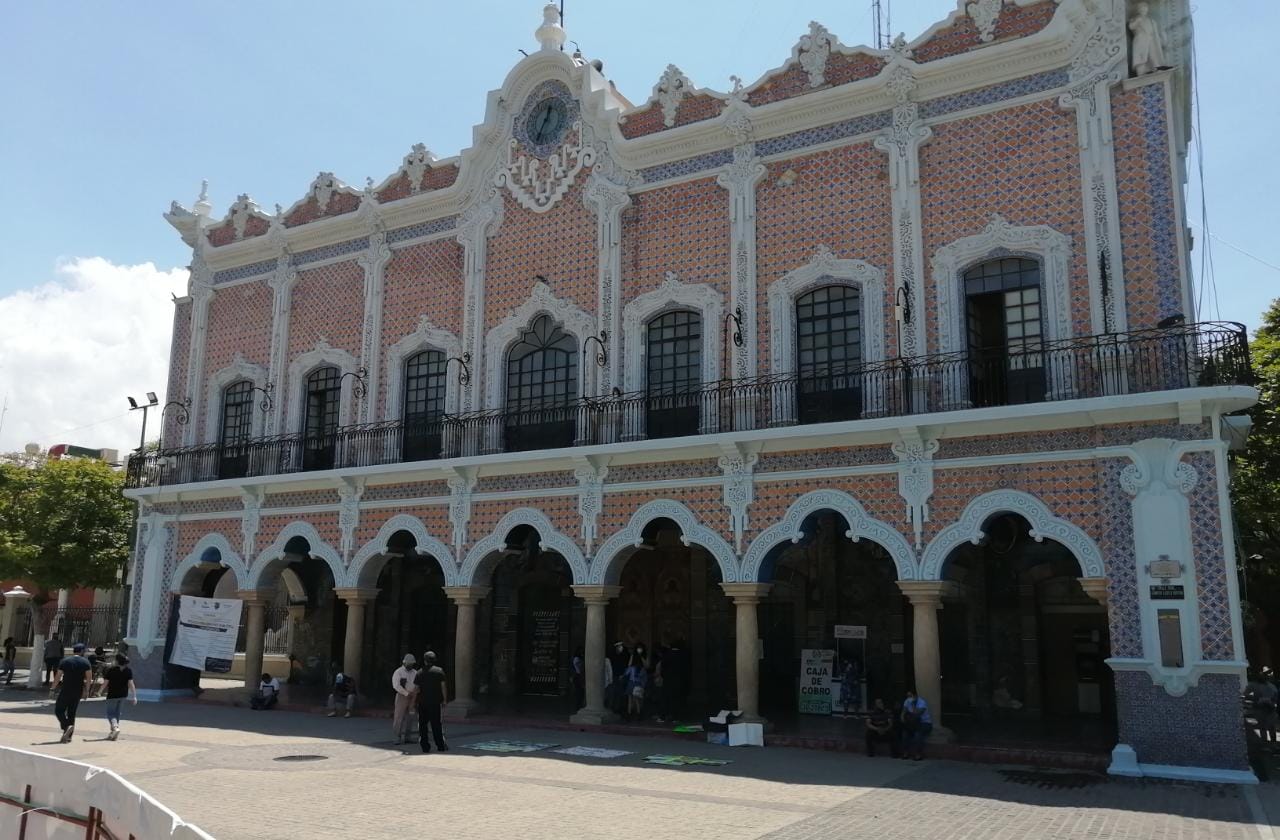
402,682
268,693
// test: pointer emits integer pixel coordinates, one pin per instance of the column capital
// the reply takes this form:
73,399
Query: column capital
596,594
356,595
746,593
925,593
1095,588
256,597
466,594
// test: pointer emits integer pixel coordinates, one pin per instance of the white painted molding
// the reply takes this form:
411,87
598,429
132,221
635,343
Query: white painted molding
475,225
374,263
590,477
740,178
608,199
229,559
999,238
322,355
968,528
500,339
672,295
369,560
427,336
548,537
609,561
538,185
147,633
861,525
239,369
824,269
915,478
272,555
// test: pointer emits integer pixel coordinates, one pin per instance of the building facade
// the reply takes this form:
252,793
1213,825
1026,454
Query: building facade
900,338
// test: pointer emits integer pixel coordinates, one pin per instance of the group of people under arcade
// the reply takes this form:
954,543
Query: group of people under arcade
639,684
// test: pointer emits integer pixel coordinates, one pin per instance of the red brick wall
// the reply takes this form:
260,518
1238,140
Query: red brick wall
682,228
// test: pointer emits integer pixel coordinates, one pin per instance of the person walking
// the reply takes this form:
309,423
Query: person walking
70,683
403,681
118,679
54,650
637,679
432,697
10,660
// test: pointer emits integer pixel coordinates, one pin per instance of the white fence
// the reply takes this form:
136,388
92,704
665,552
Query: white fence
46,798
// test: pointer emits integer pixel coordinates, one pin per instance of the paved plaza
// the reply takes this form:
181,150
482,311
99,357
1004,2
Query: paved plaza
220,767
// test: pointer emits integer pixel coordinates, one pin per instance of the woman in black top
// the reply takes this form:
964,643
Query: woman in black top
119,679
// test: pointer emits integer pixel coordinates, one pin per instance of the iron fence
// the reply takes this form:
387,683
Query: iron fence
1144,361
95,626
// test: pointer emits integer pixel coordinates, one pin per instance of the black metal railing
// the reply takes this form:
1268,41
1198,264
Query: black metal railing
1144,361
95,626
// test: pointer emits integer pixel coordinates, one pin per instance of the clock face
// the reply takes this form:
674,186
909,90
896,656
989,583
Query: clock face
547,122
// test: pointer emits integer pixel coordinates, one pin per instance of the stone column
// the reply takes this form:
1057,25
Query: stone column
746,596
297,614
597,599
926,600
256,604
14,600
466,598
353,643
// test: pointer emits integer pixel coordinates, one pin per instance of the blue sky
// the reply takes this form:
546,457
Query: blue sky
112,109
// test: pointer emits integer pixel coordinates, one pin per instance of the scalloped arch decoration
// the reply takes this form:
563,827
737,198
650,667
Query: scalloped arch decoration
860,525
230,560
366,562
548,537
1044,525
613,554
271,557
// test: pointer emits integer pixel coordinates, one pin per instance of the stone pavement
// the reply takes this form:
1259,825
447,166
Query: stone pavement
219,768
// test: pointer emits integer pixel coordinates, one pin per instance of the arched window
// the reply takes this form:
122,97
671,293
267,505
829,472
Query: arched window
424,391
320,419
829,354
237,426
673,374
542,384
1005,329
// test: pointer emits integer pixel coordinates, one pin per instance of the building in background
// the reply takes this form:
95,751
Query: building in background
898,340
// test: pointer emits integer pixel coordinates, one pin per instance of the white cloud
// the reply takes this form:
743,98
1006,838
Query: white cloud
72,349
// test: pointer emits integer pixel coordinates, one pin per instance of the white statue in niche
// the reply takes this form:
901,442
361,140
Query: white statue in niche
1147,54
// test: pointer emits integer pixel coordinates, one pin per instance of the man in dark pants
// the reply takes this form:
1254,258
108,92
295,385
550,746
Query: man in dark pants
431,697
71,683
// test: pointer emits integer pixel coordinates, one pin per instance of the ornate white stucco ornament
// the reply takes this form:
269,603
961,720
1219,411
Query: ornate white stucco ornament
415,165
538,184
323,188
985,13
815,49
671,88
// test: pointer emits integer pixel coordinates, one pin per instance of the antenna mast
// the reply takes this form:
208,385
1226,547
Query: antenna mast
882,20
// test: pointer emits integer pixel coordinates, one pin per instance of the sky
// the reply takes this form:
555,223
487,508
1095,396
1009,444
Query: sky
110,110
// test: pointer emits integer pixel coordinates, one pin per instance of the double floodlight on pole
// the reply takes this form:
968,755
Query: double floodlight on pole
152,402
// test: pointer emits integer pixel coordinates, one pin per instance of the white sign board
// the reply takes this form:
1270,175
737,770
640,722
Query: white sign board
851,631
206,637
815,681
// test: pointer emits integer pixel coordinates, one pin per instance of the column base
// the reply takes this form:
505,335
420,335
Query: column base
940,735
462,709
593,717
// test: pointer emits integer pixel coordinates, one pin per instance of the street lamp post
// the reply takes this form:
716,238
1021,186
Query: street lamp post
152,402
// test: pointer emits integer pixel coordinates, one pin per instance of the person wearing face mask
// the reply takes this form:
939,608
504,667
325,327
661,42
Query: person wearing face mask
402,682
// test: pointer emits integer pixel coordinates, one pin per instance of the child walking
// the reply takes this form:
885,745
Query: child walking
119,679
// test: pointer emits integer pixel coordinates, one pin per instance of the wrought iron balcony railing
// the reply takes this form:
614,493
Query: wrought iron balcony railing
1184,356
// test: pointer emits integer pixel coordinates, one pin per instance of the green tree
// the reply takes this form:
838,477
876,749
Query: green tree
1255,481
64,523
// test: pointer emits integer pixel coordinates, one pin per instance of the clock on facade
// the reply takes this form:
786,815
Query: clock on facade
547,122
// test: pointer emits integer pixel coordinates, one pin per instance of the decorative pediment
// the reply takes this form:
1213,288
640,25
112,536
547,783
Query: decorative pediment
327,196
985,13
672,87
812,53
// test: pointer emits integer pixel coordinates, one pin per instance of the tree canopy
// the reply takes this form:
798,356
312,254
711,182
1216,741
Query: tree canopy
64,523
1255,483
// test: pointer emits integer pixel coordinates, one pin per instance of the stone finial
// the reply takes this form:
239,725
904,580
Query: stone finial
550,34
202,207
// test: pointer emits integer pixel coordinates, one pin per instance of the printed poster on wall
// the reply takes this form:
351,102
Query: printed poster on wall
815,681
207,630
